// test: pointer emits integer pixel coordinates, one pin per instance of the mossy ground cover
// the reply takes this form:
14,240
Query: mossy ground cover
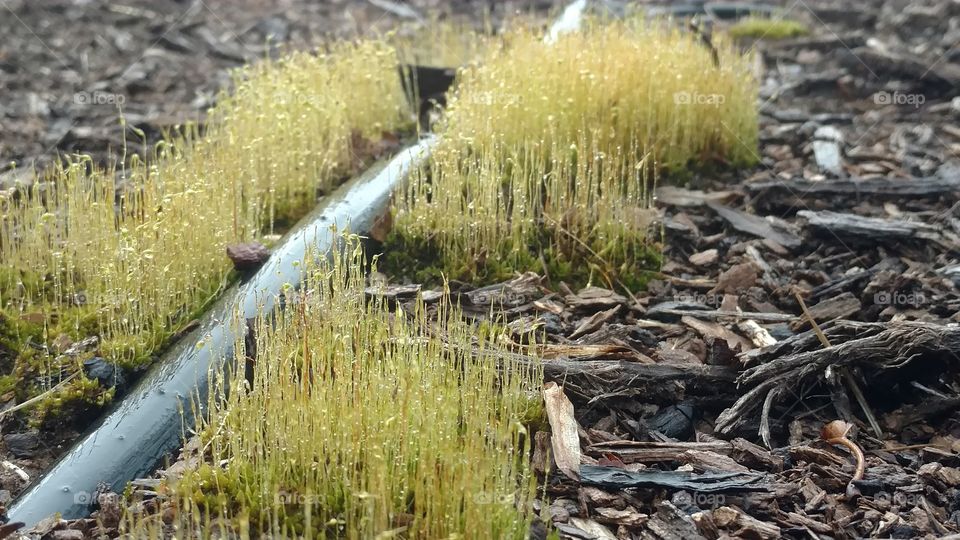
363,422
772,28
133,251
550,152
359,419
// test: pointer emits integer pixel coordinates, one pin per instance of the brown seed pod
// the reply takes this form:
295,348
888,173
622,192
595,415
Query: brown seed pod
837,429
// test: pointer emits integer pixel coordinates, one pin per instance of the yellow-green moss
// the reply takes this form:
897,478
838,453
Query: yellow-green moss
755,27
359,424
133,266
549,154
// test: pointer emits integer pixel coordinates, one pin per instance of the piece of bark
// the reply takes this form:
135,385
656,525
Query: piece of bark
595,299
836,307
628,517
755,456
798,520
755,225
757,334
715,330
674,421
595,530
542,460
944,74
710,461
670,523
704,258
392,292
655,452
520,291
737,279
675,196
594,322
705,524
587,352
615,478
867,229
565,439
798,192
673,313
657,383
874,352
913,413
743,526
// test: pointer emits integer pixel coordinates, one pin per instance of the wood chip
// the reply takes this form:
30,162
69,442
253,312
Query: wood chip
565,439
704,258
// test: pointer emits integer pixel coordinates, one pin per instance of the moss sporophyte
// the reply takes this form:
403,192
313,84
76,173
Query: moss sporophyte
359,420
550,152
133,251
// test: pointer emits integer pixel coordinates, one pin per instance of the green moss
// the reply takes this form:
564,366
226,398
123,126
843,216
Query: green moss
755,27
16,331
411,256
72,402
16,283
7,383
620,260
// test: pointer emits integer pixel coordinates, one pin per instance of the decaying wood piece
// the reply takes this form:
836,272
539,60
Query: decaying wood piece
903,64
670,523
565,439
879,348
755,225
704,460
740,450
715,330
797,192
743,526
835,307
616,478
818,43
909,414
656,383
853,226
654,452
671,313
757,334
591,528
675,196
